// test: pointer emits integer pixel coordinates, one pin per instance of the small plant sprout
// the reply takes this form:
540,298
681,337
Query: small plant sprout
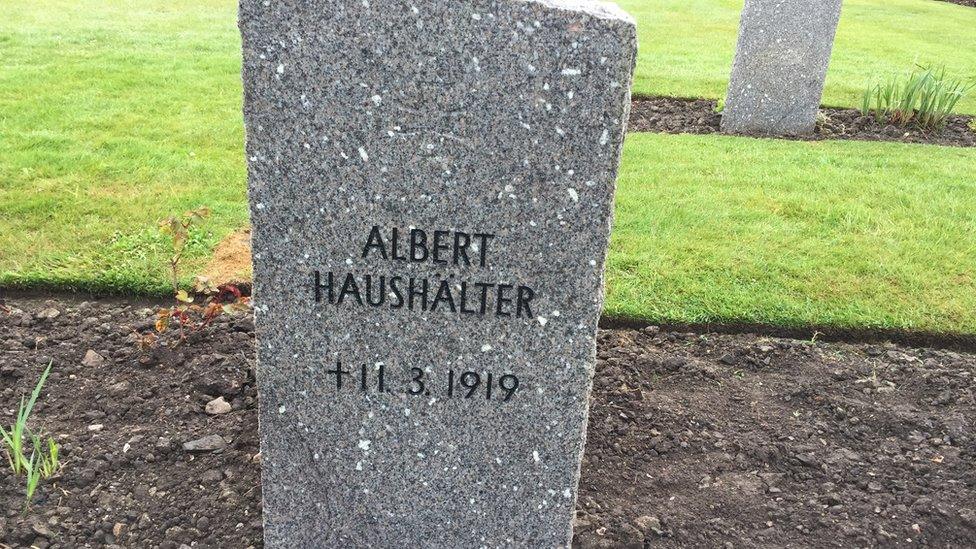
216,300
14,438
48,461
33,478
226,298
178,229
42,463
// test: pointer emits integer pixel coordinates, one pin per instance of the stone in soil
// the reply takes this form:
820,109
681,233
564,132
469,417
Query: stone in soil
208,443
49,313
666,413
92,359
218,406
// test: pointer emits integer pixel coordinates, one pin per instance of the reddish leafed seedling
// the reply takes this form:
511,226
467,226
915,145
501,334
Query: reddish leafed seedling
196,307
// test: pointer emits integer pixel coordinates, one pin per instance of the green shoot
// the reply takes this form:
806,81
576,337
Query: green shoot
13,445
41,464
50,464
866,102
32,480
14,438
178,229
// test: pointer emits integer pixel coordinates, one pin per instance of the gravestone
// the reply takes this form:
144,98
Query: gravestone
431,186
780,65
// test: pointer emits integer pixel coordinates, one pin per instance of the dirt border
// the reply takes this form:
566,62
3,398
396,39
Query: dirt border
910,338
699,116
907,338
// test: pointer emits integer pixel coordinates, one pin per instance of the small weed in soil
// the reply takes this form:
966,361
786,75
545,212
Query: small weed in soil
924,99
43,462
178,229
216,300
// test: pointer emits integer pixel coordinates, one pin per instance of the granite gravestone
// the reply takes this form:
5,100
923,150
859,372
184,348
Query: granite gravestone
431,188
780,65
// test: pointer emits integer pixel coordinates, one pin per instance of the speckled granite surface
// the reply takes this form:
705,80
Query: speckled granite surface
780,66
431,187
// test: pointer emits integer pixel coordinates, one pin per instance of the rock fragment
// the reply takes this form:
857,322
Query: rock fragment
218,406
649,525
209,443
92,359
49,313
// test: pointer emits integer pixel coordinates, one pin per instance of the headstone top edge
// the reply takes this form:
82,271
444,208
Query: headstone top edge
594,8
600,9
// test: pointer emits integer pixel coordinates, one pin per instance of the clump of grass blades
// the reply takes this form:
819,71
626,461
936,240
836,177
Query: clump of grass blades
15,438
41,465
925,98
43,462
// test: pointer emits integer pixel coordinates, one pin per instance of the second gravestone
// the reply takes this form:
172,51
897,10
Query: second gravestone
780,65
431,187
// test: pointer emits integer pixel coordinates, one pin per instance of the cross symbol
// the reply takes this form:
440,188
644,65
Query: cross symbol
338,372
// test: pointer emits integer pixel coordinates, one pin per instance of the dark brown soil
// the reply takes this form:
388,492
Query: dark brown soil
748,441
695,440
698,116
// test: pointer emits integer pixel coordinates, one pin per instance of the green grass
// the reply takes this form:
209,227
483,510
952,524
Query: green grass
686,46
849,234
113,116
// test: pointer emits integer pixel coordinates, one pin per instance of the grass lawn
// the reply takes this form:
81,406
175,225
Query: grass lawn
114,115
835,233
686,46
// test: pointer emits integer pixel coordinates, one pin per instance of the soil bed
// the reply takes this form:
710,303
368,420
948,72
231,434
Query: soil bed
695,440
698,116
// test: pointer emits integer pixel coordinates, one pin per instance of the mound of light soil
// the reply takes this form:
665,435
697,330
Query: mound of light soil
695,440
